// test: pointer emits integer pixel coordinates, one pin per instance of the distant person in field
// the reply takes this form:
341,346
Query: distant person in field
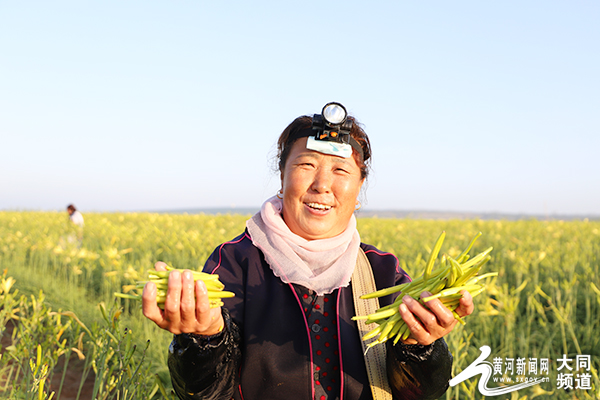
75,216
288,333
77,220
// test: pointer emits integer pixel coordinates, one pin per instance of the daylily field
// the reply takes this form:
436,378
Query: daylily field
66,336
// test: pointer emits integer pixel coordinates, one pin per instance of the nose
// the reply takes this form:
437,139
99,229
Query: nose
322,181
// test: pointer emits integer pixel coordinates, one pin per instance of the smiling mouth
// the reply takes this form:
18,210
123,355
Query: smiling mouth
318,206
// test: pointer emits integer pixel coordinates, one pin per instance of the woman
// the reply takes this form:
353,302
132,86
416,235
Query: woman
288,333
77,220
75,216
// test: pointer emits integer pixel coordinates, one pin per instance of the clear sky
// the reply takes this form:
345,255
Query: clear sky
477,106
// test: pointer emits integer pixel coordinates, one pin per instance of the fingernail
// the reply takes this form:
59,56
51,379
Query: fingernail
403,308
201,286
407,300
188,275
150,288
175,275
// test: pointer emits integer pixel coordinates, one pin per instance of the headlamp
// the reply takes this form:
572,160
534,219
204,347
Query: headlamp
331,132
334,113
332,124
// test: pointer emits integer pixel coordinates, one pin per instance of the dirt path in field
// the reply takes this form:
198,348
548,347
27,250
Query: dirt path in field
72,377
72,380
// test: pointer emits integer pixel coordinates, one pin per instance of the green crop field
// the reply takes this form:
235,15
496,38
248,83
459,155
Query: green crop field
60,319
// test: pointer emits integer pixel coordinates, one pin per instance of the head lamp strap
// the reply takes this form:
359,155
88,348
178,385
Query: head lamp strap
339,138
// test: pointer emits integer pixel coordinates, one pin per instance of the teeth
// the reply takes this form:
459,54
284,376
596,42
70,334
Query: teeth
318,206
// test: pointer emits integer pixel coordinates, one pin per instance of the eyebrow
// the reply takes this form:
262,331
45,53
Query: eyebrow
314,154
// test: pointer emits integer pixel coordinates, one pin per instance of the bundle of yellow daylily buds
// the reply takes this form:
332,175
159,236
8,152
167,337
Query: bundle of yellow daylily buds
445,283
214,287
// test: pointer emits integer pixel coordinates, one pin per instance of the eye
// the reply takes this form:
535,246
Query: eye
306,165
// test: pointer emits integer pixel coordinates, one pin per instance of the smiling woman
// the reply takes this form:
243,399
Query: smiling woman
288,332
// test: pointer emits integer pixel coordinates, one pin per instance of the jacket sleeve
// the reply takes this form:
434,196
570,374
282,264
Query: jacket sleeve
206,367
417,371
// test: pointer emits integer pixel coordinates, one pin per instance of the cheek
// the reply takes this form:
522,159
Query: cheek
285,182
294,184
287,186
349,190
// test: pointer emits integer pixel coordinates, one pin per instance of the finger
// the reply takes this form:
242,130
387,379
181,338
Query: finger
466,306
188,299
417,330
426,318
149,307
204,313
202,302
173,299
442,316
160,266
210,319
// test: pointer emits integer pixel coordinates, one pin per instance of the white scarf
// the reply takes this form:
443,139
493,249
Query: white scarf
322,265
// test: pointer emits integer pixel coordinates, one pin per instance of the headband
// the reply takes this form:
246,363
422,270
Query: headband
341,147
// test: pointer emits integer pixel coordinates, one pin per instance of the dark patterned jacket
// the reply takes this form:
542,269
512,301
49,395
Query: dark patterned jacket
264,351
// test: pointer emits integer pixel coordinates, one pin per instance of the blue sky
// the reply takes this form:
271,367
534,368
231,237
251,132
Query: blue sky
148,105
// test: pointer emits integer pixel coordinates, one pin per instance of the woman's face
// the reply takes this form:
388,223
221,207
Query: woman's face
319,192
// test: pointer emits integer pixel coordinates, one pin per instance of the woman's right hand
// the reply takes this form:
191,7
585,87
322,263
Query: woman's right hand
186,308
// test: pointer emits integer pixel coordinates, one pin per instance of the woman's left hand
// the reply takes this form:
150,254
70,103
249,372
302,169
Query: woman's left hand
428,324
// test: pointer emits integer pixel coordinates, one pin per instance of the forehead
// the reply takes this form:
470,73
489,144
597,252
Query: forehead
299,150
